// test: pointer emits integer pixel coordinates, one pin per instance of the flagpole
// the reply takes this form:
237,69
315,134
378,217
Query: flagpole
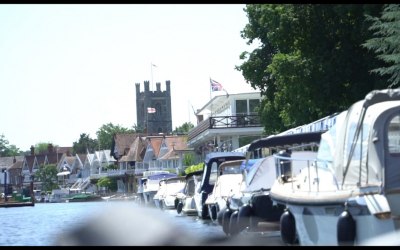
151,70
147,121
209,86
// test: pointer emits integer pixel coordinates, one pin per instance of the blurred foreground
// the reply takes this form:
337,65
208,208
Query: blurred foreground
123,225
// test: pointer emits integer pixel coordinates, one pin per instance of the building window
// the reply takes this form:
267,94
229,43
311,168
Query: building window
241,107
253,106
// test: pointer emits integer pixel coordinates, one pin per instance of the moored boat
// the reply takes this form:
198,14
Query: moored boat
211,164
254,205
350,193
184,200
151,183
83,197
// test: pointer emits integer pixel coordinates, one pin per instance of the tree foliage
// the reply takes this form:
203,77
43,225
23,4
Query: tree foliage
188,159
386,42
42,147
184,128
3,145
106,133
47,174
108,183
310,62
85,144
6,149
194,168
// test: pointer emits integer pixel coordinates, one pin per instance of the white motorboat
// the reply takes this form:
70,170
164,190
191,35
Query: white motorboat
351,192
169,188
185,199
211,164
228,181
151,183
254,205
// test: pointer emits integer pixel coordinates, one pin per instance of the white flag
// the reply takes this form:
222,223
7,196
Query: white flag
151,110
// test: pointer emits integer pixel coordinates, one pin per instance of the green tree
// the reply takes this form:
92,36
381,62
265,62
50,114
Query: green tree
309,63
84,144
137,129
188,159
47,174
42,147
106,133
12,150
109,183
184,128
8,150
3,145
386,43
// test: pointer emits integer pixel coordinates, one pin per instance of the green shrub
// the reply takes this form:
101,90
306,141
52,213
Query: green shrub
194,168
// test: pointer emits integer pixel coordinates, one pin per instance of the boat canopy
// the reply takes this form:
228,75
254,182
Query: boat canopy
222,155
161,176
360,140
281,140
247,165
262,175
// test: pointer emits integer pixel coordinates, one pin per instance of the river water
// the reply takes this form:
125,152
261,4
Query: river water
111,223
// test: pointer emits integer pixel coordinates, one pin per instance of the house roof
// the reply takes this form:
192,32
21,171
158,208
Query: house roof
155,143
29,161
53,158
176,142
62,150
17,164
81,157
6,162
70,159
137,150
40,159
121,144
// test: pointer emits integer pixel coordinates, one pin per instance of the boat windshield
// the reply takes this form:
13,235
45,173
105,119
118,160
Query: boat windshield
327,145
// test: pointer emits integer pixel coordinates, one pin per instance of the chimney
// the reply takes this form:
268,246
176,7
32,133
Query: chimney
14,160
32,150
50,148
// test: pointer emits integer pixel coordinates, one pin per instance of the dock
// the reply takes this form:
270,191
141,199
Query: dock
16,204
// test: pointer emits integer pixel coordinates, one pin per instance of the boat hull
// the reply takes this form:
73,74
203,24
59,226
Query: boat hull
317,225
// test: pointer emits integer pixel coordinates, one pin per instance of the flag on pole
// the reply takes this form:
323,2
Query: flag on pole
151,110
216,86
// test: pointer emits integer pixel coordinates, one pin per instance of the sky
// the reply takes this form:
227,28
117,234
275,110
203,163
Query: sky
68,69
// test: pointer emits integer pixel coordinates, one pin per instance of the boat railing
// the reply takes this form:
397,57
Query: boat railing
290,168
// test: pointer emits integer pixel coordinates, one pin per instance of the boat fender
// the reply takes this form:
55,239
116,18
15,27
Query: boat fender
213,212
346,229
176,201
225,220
288,227
233,229
220,214
179,207
204,212
243,219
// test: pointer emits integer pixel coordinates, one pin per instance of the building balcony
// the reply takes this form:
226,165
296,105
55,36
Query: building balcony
224,133
223,122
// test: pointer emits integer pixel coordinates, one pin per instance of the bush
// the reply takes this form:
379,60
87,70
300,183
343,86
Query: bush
194,168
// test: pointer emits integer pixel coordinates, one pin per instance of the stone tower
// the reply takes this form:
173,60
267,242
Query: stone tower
161,120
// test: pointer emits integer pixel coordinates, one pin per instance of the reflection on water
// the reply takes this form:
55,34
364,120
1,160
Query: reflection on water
110,223
40,225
